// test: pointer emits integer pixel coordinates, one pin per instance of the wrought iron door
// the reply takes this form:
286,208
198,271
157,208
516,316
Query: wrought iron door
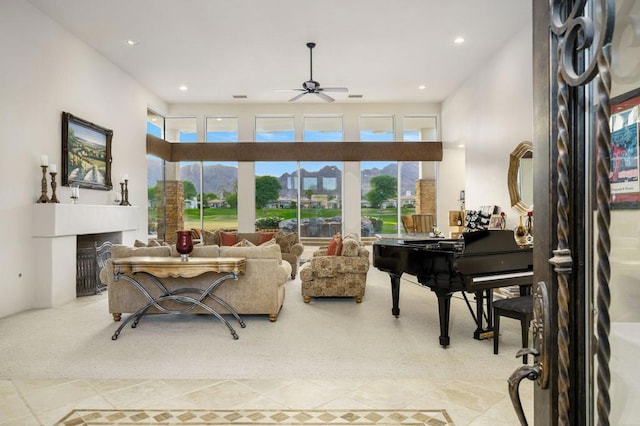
572,148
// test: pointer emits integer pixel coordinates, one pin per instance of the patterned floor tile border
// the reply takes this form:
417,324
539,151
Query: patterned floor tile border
256,417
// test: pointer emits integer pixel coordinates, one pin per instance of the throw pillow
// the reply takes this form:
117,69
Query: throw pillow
138,243
210,238
271,242
335,246
154,243
285,241
244,243
228,238
263,237
195,234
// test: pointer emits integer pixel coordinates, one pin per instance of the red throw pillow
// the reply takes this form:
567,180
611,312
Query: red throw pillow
263,237
335,246
228,238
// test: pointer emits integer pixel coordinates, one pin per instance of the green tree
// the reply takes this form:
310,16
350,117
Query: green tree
308,193
231,198
383,187
209,196
267,189
189,190
151,194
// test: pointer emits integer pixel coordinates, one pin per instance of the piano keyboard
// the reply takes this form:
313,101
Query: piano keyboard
502,276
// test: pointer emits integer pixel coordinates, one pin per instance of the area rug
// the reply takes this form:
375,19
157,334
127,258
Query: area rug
256,417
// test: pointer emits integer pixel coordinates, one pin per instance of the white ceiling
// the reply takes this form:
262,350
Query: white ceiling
381,49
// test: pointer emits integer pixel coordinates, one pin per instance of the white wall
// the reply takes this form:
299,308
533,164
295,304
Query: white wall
46,71
491,113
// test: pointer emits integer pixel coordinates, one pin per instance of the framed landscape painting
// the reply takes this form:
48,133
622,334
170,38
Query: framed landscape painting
86,153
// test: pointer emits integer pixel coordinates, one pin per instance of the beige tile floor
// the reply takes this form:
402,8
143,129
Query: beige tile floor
44,402
469,402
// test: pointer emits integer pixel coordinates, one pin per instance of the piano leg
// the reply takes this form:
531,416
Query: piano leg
444,311
395,294
481,332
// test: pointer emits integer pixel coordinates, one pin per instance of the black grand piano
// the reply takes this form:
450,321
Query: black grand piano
478,262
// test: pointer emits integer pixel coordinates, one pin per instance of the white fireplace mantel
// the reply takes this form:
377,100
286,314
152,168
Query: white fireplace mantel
55,231
55,220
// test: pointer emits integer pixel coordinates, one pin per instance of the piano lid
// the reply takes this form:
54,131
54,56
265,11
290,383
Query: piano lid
494,241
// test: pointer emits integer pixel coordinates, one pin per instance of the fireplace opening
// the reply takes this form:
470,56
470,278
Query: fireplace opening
90,250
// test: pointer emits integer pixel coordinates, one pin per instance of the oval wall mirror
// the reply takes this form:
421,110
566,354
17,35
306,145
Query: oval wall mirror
520,177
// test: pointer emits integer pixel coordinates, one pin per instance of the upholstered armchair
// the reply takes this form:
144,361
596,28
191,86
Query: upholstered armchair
342,275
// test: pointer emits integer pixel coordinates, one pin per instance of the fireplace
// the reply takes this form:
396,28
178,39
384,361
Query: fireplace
56,230
88,249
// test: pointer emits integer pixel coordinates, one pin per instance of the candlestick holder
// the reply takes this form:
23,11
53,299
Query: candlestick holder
53,199
75,194
126,193
44,198
122,194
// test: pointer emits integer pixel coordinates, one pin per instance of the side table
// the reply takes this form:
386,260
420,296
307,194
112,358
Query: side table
163,267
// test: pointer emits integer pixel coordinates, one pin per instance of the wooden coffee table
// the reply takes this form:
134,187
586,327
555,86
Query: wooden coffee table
157,268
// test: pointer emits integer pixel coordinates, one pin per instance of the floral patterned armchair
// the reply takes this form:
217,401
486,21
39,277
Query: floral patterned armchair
344,275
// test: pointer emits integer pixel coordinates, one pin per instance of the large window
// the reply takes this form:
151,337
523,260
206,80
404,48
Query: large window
220,179
321,193
276,181
389,188
378,180
189,173
155,174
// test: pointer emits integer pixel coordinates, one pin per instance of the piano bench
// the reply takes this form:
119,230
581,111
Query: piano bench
520,308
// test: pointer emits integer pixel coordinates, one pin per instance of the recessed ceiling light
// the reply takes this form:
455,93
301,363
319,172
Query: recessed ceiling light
461,145
183,88
132,42
422,87
459,40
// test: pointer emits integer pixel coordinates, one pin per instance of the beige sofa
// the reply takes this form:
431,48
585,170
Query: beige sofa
336,276
290,246
259,290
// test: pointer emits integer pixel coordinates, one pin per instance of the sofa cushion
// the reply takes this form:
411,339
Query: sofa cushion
205,251
259,252
118,251
350,247
244,243
228,238
210,238
324,266
285,241
263,237
138,243
335,246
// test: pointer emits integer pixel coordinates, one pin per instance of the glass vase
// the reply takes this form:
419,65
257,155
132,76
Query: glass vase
184,244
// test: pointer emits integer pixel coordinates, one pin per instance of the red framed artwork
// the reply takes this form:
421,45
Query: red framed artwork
624,173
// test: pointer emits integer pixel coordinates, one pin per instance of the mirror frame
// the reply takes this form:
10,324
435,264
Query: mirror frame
512,177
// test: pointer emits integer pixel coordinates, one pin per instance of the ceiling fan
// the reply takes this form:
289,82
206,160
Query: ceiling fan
311,86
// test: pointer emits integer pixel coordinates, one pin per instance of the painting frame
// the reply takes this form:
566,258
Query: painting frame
86,158
624,176
496,222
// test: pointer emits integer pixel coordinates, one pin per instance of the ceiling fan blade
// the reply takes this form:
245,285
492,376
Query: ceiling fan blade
296,97
289,90
325,97
334,89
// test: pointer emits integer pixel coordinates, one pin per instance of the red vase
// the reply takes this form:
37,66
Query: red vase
184,244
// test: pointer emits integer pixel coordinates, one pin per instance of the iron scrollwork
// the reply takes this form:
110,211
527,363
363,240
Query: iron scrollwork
582,37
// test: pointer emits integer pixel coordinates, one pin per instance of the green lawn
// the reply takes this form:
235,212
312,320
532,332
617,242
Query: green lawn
227,218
